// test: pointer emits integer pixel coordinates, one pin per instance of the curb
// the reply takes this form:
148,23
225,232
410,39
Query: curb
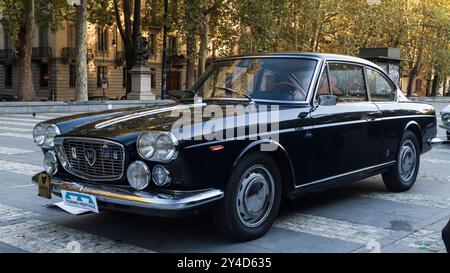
72,106
430,99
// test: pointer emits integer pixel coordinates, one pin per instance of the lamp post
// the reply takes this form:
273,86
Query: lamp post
164,92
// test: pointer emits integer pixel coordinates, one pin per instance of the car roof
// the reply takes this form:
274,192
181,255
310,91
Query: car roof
322,56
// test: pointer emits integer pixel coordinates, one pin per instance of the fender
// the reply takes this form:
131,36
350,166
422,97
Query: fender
286,170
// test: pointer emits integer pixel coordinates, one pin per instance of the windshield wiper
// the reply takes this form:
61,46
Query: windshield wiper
182,93
236,92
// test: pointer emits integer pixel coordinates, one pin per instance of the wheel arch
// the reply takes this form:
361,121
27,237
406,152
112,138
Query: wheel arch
414,127
279,155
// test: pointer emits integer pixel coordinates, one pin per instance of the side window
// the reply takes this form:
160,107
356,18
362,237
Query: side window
324,85
380,89
347,82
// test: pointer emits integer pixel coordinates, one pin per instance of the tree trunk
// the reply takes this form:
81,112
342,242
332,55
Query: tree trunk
129,32
81,93
417,66
435,85
24,51
190,62
411,78
203,47
444,91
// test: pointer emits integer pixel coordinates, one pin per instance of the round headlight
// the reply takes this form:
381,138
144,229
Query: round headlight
160,176
138,175
146,145
50,163
50,134
165,148
39,134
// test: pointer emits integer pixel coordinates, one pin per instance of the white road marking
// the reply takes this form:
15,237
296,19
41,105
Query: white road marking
436,161
8,214
17,186
15,129
27,119
425,240
19,168
331,228
16,135
405,197
13,151
39,236
17,123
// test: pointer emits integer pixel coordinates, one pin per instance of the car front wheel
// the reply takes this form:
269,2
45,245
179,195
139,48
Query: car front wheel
402,176
252,199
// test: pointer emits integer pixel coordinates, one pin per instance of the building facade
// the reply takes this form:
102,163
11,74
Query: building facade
54,69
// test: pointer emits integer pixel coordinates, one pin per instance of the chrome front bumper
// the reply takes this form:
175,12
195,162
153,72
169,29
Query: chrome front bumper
126,196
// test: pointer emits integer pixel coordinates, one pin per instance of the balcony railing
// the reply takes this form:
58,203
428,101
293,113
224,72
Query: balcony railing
7,55
69,53
41,52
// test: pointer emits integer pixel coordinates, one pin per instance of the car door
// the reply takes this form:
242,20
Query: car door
382,92
340,135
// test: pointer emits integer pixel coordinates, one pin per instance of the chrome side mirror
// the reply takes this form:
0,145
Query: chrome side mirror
327,100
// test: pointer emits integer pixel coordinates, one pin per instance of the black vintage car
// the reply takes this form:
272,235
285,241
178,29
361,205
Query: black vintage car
331,120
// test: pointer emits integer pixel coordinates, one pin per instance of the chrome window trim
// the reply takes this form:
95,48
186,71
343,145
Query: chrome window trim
362,66
345,174
60,141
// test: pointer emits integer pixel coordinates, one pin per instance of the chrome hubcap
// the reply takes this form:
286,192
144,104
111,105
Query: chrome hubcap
407,160
255,196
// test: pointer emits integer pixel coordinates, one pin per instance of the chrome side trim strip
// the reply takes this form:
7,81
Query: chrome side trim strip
400,117
311,127
245,137
345,174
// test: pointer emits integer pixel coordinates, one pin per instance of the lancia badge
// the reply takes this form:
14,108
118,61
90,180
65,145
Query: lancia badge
91,156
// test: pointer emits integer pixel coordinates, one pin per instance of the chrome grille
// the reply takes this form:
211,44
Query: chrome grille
109,162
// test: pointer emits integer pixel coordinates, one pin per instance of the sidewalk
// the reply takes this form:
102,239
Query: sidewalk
79,106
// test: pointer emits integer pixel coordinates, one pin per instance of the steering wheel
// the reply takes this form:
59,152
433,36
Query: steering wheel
292,92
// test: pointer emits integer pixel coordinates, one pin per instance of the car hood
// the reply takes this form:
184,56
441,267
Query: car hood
125,125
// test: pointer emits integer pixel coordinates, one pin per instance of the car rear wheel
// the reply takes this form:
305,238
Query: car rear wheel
252,199
402,176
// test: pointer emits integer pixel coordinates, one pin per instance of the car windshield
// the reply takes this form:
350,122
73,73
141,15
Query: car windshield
285,79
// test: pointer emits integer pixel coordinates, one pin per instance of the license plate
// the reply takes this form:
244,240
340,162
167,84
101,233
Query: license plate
44,186
80,200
